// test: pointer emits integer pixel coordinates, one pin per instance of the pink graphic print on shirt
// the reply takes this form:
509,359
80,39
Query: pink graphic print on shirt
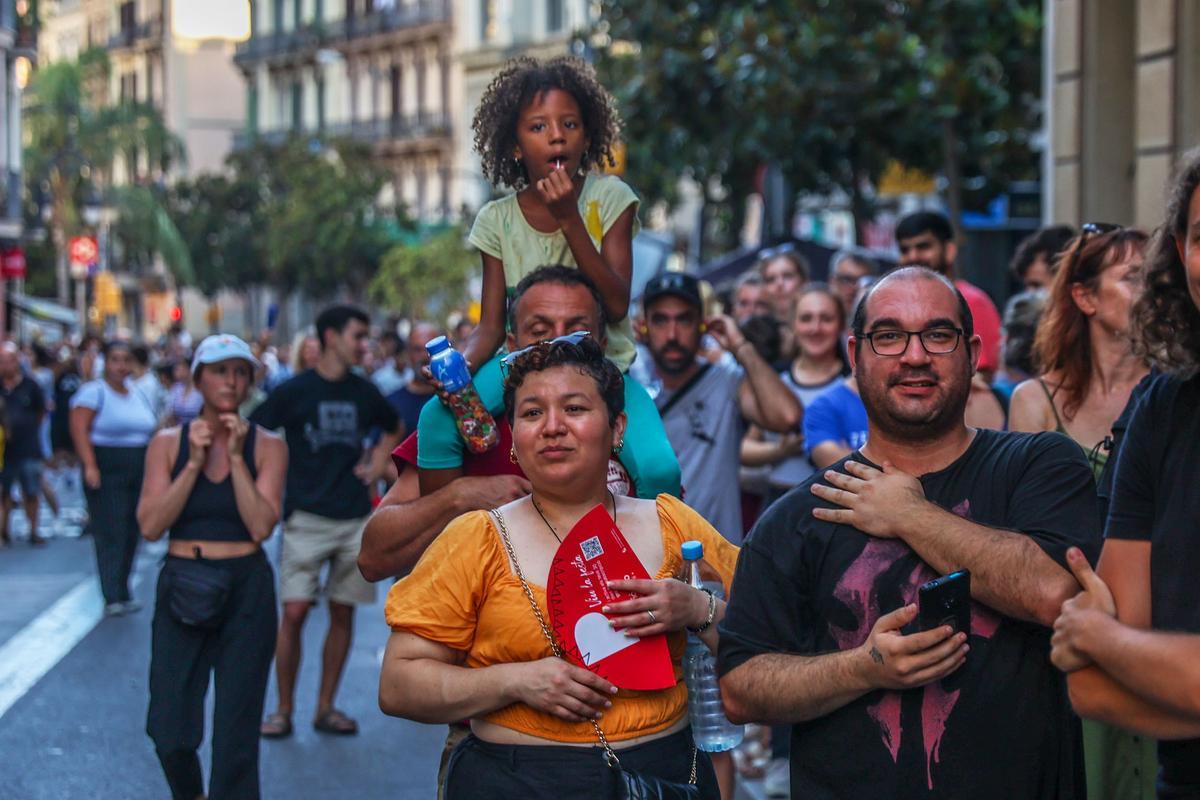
858,590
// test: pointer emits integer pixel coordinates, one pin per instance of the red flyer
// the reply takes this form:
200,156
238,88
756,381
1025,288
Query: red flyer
593,553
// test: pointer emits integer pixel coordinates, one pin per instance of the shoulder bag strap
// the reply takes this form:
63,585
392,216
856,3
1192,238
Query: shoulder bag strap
675,398
610,755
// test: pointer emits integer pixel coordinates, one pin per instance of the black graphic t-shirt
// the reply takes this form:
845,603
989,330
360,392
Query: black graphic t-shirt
325,423
1154,499
1001,726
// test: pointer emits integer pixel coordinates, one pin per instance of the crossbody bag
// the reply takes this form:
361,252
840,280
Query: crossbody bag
630,785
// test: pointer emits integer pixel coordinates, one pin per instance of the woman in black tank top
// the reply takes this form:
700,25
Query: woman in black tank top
216,485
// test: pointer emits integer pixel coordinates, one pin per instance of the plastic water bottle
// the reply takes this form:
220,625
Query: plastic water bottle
475,423
711,729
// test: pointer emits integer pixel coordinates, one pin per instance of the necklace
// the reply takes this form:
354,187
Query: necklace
542,514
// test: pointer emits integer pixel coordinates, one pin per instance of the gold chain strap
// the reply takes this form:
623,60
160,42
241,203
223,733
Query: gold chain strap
610,755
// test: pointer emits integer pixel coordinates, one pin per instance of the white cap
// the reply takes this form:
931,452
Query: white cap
222,347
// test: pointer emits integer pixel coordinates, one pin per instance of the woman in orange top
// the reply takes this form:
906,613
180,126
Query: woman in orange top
465,641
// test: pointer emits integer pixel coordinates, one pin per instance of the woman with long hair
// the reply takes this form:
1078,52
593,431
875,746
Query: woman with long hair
1130,641
1082,347
466,639
819,365
216,484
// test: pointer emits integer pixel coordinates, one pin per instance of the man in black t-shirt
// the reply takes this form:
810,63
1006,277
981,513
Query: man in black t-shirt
24,405
326,414
819,632
410,398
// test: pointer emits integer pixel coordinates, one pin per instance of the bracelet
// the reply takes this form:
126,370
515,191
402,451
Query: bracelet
712,612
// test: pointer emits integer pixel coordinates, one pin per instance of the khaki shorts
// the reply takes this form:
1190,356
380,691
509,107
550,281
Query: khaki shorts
311,541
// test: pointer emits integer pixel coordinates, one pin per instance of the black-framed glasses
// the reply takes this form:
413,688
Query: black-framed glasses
937,341
575,337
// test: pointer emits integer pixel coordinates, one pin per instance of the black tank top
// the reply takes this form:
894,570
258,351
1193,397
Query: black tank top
210,513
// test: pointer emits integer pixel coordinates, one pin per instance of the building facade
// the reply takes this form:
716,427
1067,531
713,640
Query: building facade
1122,84
404,75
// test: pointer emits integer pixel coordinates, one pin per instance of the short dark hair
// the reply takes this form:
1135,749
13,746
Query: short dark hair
564,276
919,222
859,324
1047,242
763,333
141,354
336,318
587,356
389,335
115,344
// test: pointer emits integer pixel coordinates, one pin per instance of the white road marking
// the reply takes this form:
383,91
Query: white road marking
39,646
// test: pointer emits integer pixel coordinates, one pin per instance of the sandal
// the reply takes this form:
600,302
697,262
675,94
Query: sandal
276,726
334,721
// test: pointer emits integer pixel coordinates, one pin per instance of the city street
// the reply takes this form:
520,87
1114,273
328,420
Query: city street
78,729
73,691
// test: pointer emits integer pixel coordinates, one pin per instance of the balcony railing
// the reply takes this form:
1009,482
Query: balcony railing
408,15
381,129
270,45
314,35
146,31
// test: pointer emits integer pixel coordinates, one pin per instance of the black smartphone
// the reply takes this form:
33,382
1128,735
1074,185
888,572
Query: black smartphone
946,601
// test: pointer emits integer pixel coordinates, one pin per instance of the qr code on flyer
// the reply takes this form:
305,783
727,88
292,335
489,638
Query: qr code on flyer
591,548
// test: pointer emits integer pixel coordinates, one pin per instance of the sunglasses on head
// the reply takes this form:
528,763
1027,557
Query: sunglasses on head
574,337
778,250
1090,229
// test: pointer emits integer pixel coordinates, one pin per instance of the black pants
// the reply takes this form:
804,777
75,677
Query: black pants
113,511
239,655
530,772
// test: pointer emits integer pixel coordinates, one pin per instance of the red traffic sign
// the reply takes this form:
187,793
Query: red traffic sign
83,250
13,264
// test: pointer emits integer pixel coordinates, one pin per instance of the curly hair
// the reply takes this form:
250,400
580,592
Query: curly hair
517,84
1166,323
1063,343
586,356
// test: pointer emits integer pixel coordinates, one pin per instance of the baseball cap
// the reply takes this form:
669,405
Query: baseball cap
677,284
220,347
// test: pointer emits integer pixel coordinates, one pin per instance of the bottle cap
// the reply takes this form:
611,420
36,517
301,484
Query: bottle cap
693,550
437,345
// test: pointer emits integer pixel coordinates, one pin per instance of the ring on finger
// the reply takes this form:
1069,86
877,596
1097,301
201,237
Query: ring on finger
650,614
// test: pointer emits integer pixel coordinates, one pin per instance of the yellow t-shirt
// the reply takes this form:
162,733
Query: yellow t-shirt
501,231
464,595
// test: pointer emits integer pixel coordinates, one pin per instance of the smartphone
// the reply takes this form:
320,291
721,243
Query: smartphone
946,601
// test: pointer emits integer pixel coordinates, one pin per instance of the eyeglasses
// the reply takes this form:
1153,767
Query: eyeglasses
937,341
575,337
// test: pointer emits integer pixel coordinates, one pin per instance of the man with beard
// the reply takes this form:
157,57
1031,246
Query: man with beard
926,239
705,407
818,631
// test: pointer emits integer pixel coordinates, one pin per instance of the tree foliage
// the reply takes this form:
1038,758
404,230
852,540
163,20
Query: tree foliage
827,91
427,278
318,216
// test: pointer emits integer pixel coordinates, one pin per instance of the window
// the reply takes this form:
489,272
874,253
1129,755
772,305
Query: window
297,106
554,16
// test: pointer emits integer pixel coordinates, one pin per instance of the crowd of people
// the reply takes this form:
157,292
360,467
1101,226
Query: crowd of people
834,446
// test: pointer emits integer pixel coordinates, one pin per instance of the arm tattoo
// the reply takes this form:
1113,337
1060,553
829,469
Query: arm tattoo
876,656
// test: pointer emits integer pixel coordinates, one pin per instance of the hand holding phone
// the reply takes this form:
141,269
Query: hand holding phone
946,601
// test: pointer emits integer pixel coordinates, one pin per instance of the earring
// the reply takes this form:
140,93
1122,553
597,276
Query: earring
512,454
617,447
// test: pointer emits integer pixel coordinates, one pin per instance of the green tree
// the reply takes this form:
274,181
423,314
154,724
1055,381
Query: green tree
220,221
827,92
426,279
75,141
321,225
